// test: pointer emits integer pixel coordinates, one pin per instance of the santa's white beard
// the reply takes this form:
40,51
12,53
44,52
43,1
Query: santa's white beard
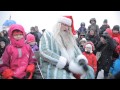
66,38
67,43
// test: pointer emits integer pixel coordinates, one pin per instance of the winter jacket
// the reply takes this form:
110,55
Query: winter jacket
82,30
17,55
51,54
39,34
103,28
34,47
92,60
94,27
116,35
94,39
36,37
105,61
115,68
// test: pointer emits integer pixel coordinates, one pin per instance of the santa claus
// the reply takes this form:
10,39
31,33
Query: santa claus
60,55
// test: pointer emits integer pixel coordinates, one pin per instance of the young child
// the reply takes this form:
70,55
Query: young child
18,60
30,39
92,60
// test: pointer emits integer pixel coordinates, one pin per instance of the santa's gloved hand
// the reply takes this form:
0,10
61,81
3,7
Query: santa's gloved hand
83,63
7,74
30,68
67,67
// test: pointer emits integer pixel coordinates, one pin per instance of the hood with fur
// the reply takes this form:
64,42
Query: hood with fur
14,42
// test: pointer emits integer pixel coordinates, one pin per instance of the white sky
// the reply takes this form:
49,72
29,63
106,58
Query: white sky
47,19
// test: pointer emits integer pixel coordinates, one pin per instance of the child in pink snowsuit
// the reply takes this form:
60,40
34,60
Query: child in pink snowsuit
18,58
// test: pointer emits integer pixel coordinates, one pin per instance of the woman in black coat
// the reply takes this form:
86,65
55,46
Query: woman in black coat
106,46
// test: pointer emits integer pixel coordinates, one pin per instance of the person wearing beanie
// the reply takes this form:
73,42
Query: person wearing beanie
56,50
82,29
92,60
33,32
18,61
116,32
106,47
104,26
93,37
116,28
83,41
93,26
30,39
82,35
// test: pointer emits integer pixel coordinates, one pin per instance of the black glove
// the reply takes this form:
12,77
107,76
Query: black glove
83,64
43,30
67,68
85,67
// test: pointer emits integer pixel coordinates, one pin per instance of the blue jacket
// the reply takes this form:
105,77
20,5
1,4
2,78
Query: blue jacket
115,67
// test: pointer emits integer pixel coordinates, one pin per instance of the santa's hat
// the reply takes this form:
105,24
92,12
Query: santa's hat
68,20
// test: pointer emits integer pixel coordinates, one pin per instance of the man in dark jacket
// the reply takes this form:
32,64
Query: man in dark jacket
38,33
82,29
93,26
104,26
35,34
106,46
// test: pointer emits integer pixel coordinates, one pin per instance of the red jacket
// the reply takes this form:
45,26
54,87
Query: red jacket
116,35
17,56
92,60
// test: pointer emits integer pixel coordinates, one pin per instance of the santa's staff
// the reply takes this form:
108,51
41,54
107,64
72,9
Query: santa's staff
37,62
40,70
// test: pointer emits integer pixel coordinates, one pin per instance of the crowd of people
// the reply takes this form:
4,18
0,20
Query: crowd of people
93,54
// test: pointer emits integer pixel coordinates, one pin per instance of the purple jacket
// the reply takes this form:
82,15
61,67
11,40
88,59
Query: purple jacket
35,48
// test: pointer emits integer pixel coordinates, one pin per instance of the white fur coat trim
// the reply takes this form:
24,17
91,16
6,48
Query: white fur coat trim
82,57
75,68
65,20
62,62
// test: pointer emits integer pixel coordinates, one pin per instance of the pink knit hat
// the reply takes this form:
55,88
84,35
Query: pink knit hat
30,38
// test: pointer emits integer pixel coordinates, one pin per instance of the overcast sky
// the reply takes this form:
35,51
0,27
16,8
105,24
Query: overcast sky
47,19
